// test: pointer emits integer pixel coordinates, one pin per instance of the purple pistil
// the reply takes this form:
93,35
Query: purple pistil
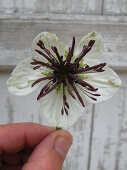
66,73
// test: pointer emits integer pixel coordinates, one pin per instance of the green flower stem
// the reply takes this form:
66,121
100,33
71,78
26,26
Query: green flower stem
58,128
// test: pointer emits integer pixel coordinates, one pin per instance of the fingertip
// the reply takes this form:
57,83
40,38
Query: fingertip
51,152
62,142
63,133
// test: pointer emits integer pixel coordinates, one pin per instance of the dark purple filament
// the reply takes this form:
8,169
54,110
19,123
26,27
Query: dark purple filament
66,72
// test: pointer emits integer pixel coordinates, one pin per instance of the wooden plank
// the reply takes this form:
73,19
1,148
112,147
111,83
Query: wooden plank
75,18
13,6
49,6
11,109
17,35
115,7
109,139
79,154
73,6
25,109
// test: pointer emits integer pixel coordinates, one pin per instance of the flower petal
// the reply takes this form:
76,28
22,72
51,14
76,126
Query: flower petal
97,48
51,106
107,83
22,78
49,40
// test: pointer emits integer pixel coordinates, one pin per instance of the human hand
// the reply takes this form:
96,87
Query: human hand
30,146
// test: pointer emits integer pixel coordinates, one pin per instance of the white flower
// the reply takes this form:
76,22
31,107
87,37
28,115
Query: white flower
69,78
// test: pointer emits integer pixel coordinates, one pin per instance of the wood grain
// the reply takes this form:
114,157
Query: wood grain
100,135
109,139
115,7
78,157
49,6
25,109
75,18
17,35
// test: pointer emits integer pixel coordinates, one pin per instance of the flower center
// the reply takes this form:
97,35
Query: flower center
66,72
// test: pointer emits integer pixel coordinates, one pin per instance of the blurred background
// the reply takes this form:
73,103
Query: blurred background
100,135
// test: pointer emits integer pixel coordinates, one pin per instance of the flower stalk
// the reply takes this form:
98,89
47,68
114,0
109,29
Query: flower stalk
58,128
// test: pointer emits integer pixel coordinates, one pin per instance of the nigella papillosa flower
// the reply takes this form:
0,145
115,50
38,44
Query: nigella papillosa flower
69,78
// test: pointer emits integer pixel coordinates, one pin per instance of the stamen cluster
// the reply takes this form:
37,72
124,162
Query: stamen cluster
66,72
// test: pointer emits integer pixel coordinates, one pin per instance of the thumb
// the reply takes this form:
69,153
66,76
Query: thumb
50,153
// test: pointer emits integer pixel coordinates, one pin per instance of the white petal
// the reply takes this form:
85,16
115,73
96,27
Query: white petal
107,83
51,106
22,77
49,39
97,48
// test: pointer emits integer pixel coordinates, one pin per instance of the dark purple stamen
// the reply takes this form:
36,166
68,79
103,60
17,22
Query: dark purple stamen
83,83
71,51
36,67
87,93
41,79
65,104
62,111
50,89
66,111
46,87
85,50
35,62
51,60
68,88
41,45
57,54
77,93
97,68
45,56
65,72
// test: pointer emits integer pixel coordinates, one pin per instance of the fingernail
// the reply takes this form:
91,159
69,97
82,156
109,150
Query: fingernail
62,146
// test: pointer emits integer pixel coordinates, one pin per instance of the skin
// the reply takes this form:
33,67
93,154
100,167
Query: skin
30,146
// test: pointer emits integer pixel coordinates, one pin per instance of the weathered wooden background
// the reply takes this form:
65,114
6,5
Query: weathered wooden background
100,136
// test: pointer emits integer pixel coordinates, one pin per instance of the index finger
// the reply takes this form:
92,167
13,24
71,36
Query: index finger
14,137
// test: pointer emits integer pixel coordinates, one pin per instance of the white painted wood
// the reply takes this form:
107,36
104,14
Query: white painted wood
72,6
118,7
13,108
17,35
49,6
78,157
25,109
75,18
109,139
100,136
